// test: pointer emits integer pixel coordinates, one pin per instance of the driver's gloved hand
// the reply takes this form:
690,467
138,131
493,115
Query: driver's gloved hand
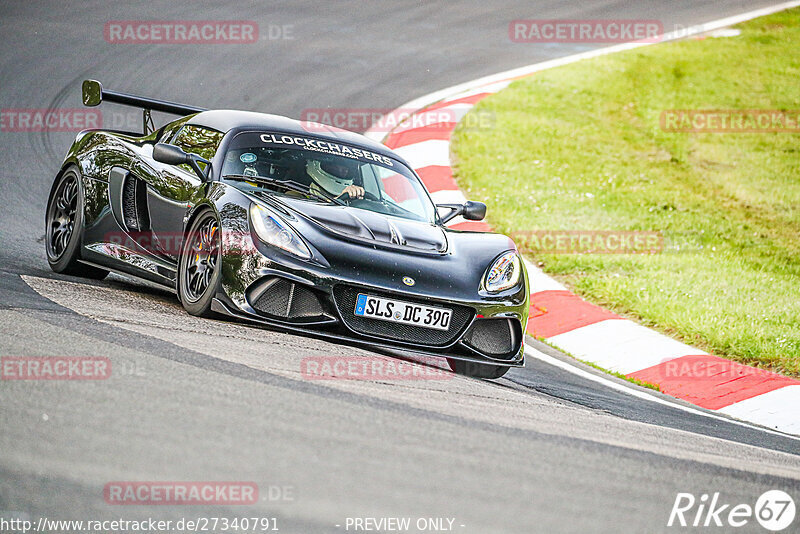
353,191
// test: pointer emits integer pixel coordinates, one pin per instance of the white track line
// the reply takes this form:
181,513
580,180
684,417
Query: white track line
774,409
621,345
448,196
538,281
641,394
426,153
452,113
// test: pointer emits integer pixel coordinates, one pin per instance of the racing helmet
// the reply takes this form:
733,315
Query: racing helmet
333,177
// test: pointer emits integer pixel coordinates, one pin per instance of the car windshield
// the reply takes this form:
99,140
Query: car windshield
326,172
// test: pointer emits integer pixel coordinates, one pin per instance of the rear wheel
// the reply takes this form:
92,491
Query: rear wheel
476,370
64,228
199,266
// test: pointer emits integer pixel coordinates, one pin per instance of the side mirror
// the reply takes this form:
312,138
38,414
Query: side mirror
474,211
174,155
169,154
470,210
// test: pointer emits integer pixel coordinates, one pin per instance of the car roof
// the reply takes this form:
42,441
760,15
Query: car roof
225,120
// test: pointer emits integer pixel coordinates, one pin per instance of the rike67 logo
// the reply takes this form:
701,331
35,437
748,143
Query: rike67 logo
774,510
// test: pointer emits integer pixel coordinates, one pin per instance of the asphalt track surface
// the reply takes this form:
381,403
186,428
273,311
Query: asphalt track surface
543,450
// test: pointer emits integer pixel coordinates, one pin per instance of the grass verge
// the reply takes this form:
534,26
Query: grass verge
580,147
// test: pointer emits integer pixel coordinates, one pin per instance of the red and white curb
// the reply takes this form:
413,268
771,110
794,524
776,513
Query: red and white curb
565,320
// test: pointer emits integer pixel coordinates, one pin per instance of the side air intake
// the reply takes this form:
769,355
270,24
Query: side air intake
134,204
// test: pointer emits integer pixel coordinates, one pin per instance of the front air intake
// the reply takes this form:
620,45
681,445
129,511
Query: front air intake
280,298
497,338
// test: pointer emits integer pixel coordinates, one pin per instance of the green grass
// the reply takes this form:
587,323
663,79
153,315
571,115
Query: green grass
580,148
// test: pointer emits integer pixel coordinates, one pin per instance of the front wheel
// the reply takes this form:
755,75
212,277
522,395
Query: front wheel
64,228
199,268
477,370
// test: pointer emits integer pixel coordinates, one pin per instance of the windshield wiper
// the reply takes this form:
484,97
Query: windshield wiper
291,185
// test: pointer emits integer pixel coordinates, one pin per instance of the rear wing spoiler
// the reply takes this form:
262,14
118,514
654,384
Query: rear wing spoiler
93,93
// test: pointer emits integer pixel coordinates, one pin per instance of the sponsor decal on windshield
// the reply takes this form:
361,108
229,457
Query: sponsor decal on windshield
327,147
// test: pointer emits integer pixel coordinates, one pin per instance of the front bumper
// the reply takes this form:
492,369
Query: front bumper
479,332
264,285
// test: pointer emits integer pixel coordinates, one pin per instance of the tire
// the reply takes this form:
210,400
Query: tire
199,266
477,370
64,227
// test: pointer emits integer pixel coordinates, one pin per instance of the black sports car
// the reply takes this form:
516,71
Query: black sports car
293,225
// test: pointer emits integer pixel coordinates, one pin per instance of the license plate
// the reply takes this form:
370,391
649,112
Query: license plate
397,311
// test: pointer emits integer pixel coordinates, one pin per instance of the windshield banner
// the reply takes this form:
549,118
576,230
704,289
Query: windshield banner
327,147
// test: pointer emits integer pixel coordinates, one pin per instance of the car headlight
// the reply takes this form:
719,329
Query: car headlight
504,273
272,230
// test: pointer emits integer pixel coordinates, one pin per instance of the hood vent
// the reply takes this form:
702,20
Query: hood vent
372,226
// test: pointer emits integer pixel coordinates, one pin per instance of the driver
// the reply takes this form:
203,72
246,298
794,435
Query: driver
333,177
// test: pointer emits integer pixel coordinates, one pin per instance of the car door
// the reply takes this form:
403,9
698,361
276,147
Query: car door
170,190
